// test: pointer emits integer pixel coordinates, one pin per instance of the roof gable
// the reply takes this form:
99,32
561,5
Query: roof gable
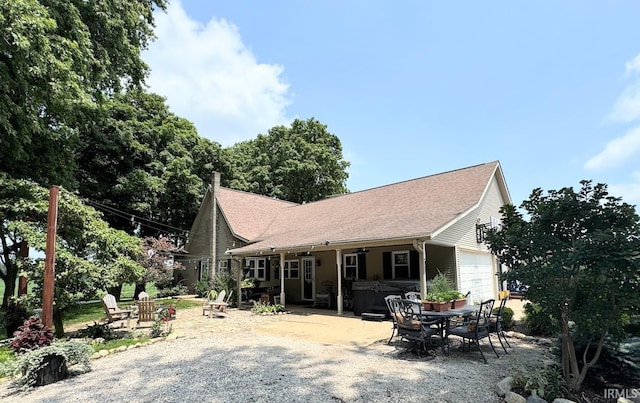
248,214
413,208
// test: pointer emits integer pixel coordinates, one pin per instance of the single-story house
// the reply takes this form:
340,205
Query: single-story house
399,235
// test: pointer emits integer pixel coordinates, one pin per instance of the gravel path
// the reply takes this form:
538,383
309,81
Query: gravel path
237,364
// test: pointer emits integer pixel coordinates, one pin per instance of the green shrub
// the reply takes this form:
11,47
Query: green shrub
173,291
545,382
202,288
159,329
261,308
25,367
98,331
537,321
507,317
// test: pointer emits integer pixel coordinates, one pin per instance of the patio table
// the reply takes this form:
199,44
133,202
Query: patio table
445,320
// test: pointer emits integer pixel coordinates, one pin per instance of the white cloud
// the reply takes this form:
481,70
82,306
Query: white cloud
617,152
627,107
630,192
210,77
633,65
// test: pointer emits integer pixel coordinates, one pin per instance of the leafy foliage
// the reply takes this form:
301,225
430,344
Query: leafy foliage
302,163
25,367
261,308
98,331
507,317
546,382
578,256
59,59
30,336
539,322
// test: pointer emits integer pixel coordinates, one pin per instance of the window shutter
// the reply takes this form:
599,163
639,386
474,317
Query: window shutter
386,265
414,265
362,266
267,269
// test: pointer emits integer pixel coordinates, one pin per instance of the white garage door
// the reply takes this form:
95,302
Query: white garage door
476,275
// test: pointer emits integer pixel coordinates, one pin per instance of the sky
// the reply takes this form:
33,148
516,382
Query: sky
551,89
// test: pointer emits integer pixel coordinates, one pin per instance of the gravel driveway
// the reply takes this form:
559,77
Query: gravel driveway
236,362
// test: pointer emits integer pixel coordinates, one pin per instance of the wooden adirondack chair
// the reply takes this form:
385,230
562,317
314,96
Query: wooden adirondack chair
147,311
112,312
216,305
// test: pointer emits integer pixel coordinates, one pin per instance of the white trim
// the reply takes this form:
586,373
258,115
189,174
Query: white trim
351,266
288,269
393,263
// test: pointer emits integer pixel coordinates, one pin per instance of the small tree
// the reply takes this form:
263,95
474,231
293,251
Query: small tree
158,262
579,256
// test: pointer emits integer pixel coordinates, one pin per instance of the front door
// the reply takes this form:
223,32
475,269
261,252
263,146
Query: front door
308,278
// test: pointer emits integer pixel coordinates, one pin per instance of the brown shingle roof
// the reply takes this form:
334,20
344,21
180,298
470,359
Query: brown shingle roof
413,208
249,214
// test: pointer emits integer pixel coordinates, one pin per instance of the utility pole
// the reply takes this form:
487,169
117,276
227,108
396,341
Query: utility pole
50,258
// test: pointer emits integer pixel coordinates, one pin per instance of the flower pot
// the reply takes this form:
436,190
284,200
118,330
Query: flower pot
458,303
427,305
441,306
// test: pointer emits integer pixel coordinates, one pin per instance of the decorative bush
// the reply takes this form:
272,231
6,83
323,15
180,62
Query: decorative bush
159,329
545,382
26,366
173,291
98,331
202,289
507,317
32,335
261,308
538,322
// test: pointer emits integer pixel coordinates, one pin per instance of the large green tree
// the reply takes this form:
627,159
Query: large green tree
58,60
301,163
578,254
90,255
143,165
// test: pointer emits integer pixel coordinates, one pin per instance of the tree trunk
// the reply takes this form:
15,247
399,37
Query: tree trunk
140,287
58,324
570,368
115,291
9,284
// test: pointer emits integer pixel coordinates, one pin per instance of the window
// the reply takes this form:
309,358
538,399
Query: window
291,269
257,268
400,265
350,264
203,270
223,266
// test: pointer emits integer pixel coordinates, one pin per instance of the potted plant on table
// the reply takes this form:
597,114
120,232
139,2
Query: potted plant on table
443,296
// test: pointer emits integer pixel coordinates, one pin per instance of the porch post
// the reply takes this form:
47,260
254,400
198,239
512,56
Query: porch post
339,269
282,301
239,282
421,248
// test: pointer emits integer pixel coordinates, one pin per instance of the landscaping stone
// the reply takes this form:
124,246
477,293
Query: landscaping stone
560,400
103,353
535,399
512,397
504,386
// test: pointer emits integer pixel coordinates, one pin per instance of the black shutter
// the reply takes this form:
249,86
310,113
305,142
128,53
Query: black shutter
229,265
362,266
267,269
414,265
386,265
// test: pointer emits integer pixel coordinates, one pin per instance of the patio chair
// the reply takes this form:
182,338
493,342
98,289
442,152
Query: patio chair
143,295
112,311
393,309
476,328
147,311
215,305
413,295
413,326
495,325
324,295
